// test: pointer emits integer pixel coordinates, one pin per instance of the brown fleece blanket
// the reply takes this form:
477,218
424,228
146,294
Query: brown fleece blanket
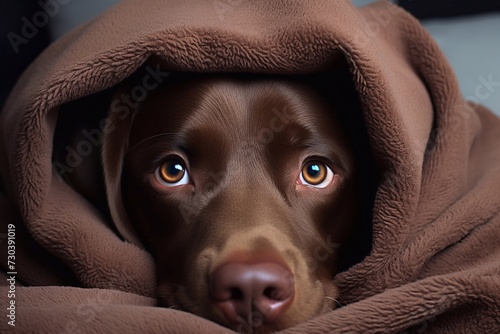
435,259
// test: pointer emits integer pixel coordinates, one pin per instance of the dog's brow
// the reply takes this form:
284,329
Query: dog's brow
149,138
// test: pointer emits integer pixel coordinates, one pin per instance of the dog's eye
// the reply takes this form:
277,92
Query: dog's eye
172,173
316,174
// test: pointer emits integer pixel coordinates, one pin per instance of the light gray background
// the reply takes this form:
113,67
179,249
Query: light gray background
472,45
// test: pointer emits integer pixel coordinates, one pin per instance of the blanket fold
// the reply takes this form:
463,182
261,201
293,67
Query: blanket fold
435,259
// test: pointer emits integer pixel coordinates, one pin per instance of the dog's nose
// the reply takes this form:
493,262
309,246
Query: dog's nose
254,292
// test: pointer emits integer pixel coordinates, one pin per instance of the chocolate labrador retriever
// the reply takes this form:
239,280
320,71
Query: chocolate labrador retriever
246,191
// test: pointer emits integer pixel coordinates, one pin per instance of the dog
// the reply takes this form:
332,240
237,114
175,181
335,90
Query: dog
245,189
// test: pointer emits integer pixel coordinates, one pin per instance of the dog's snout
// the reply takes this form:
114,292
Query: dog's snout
253,292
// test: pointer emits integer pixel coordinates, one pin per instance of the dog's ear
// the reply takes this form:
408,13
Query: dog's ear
115,145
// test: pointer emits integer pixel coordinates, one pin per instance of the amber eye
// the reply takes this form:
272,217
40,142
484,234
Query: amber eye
316,174
172,173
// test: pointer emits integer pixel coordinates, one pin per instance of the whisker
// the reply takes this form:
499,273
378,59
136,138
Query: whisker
334,300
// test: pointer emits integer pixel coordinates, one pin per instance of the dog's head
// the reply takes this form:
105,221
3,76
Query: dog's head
243,189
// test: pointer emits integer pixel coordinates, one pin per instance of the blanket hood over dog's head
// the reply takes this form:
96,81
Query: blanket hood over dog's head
436,222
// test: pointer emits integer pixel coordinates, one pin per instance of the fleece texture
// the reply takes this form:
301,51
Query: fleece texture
435,258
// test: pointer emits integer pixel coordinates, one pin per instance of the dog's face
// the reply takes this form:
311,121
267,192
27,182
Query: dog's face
242,190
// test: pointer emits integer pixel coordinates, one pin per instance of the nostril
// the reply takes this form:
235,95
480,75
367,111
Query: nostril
239,289
235,293
274,294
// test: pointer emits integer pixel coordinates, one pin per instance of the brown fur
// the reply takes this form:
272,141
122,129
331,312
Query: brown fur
245,141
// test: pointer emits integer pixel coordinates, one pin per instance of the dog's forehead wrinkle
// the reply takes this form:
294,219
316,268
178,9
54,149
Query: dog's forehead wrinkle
221,103
147,141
